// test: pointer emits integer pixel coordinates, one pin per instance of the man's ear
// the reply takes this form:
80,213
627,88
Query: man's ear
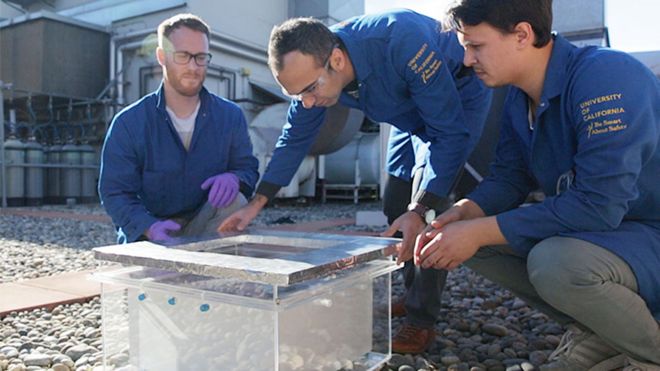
524,34
338,59
160,55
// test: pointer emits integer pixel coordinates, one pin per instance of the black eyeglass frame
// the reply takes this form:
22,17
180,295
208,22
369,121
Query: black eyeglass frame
201,59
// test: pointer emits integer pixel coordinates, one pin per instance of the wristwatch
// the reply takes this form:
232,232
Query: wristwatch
427,214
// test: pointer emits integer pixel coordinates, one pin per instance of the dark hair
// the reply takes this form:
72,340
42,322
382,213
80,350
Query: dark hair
191,21
504,15
306,35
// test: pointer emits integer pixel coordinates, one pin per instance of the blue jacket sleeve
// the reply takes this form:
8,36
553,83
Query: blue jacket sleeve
419,61
242,162
400,154
615,137
120,181
509,181
298,135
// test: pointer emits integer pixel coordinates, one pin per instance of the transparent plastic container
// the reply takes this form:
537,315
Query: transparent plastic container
157,319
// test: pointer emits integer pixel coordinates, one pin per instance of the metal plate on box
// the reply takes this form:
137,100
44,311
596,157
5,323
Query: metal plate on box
272,257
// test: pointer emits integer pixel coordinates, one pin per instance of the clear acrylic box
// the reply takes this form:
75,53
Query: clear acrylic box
308,318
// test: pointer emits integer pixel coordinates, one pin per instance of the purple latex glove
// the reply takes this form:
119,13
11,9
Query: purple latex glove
159,231
224,188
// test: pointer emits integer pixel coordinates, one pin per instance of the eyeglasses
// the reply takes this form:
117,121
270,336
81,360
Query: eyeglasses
201,59
312,87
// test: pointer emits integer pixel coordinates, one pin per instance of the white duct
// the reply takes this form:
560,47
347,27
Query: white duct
340,126
356,163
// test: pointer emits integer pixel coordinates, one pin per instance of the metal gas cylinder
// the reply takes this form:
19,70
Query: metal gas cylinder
53,175
15,155
88,186
34,176
71,177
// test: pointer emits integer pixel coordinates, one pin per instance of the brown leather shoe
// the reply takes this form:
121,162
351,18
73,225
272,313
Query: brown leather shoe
399,308
412,339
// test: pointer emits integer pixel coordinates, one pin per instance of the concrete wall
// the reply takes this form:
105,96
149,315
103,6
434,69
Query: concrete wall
240,32
236,32
249,20
571,15
329,11
581,22
33,57
238,44
7,12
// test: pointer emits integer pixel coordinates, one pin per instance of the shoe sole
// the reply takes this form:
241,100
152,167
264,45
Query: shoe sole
415,351
399,314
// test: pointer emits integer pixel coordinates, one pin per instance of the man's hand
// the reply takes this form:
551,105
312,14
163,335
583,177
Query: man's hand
240,219
462,210
453,214
448,247
160,231
224,188
410,224
456,242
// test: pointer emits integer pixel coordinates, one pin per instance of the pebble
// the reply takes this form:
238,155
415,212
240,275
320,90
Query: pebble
36,359
481,327
494,329
449,360
59,367
517,304
553,340
494,349
421,363
78,351
10,352
397,360
538,357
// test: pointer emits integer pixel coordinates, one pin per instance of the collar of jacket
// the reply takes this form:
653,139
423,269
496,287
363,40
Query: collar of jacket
555,75
356,55
160,96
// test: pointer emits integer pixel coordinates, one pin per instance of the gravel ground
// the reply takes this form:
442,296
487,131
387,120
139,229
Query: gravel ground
482,326
32,247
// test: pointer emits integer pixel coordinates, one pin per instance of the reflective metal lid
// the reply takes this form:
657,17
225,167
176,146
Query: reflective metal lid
272,257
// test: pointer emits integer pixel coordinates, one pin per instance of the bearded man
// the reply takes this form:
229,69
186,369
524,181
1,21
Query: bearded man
179,160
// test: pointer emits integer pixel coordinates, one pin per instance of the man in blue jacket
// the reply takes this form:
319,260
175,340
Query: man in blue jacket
399,68
582,124
175,162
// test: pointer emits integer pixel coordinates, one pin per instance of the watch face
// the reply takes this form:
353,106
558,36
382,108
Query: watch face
429,216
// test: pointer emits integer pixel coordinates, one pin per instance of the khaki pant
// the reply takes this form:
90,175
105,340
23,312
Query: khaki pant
572,280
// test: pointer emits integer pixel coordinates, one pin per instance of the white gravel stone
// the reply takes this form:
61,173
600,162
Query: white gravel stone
78,351
37,359
60,367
